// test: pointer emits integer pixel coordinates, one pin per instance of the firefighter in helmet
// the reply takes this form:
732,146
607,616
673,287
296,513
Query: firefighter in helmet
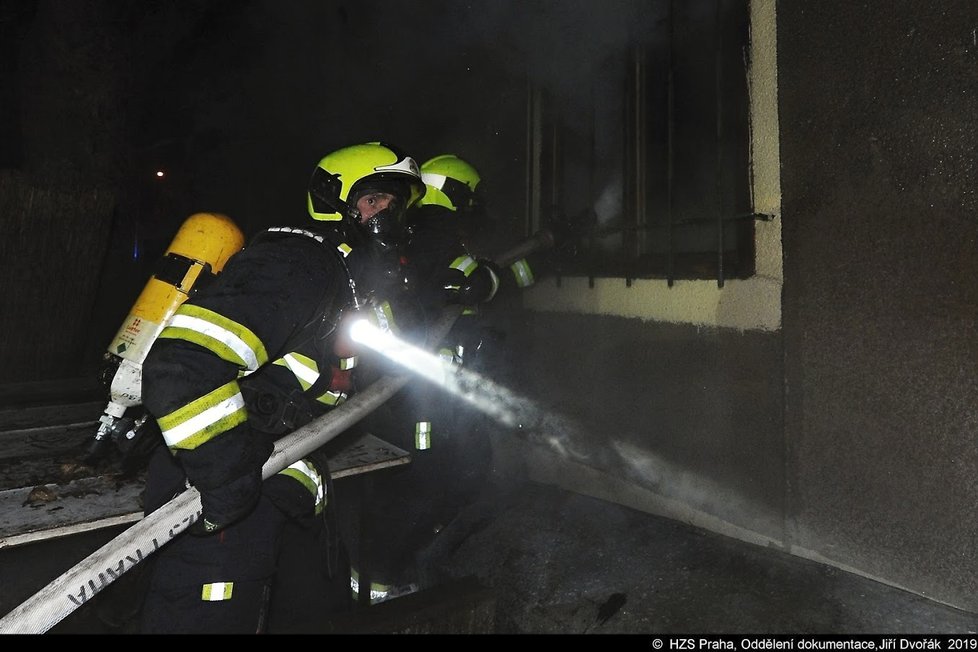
441,230
247,359
412,503
453,184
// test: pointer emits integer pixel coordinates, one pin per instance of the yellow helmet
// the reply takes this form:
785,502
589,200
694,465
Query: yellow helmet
341,177
451,182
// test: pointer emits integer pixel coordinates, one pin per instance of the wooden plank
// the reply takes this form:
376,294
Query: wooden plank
69,529
50,440
39,416
47,511
365,454
31,514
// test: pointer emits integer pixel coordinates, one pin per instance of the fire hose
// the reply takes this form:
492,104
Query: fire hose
81,583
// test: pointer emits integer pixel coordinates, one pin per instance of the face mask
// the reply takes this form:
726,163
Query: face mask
384,234
384,229
383,274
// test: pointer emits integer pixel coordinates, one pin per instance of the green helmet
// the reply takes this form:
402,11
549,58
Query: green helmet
451,182
345,175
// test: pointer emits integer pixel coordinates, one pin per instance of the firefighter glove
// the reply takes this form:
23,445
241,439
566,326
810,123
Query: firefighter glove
228,491
227,504
478,287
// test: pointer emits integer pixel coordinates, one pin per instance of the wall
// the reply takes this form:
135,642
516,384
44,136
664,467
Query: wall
878,173
831,416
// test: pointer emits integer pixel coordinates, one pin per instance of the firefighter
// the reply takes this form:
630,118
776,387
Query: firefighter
449,461
455,198
440,231
453,210
251,357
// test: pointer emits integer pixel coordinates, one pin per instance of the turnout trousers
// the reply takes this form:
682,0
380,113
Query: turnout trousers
272,571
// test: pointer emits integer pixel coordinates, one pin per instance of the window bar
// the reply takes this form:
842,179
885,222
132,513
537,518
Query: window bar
633,163
641,160
534,156
556,154
718,75
670,117
555,184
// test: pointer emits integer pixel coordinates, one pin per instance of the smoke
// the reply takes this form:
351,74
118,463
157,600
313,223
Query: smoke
509,409
641,467
563,436
609,201
560,45
572,442
287,82
711,498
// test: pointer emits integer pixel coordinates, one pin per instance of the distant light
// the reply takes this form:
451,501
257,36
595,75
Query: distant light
159,174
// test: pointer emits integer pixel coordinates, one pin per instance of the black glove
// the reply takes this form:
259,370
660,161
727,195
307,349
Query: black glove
227,504
478,287
227,472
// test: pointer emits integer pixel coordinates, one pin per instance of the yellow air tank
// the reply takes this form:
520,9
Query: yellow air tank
200,249
198,252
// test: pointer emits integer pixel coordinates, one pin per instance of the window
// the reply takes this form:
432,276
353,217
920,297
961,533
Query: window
649,163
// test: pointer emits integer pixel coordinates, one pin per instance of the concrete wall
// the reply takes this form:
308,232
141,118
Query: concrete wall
878,170
833,416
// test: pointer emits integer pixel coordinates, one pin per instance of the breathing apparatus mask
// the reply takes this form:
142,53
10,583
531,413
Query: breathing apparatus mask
384,229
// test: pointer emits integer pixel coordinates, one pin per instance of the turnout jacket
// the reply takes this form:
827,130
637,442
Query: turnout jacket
253,354
442,267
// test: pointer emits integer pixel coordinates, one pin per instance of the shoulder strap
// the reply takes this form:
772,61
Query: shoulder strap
321,314
319,329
